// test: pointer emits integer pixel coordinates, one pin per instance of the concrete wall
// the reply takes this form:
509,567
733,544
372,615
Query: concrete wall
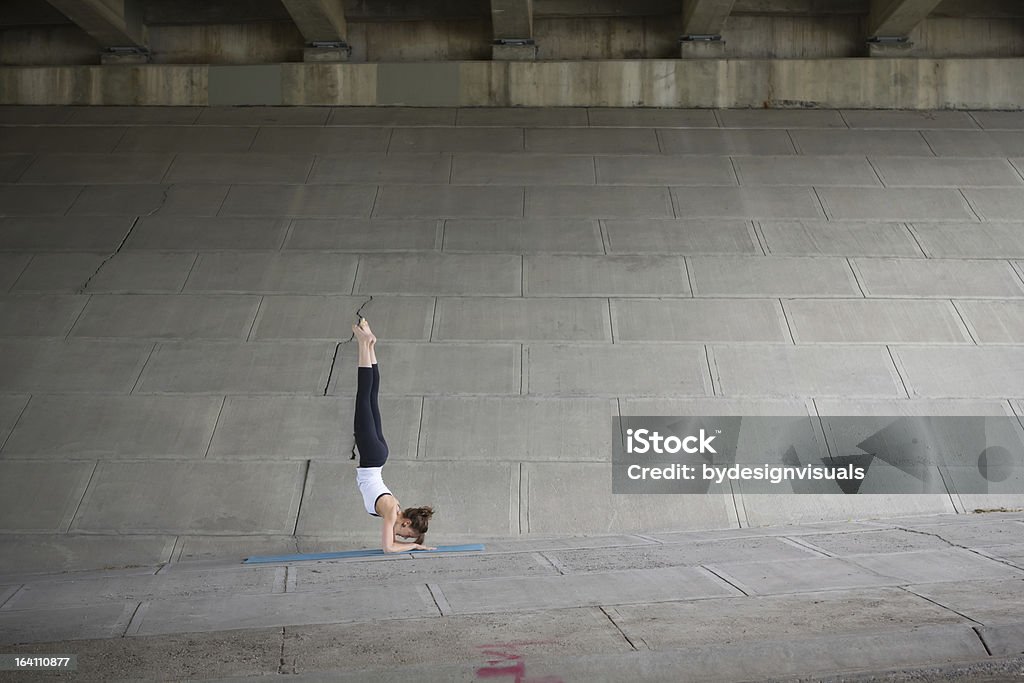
847,83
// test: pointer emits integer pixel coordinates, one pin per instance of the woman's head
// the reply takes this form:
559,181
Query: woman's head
413,523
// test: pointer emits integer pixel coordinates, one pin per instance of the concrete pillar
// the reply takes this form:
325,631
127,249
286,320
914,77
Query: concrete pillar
323,26
116,25
512,22
891,21
702,28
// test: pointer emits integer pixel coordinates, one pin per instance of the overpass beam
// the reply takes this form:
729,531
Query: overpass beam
324,28
891,21
512,25
703,21
116,25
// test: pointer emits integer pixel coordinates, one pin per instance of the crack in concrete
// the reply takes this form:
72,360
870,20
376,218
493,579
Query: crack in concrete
334,360
81,290
957,545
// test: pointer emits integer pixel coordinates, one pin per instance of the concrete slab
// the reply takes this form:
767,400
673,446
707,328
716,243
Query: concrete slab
247,167
34,114
592,141
914,120
229,367
971,240
262,115
911,407
805,170
933,566
391,116
192,552
836,238
283,609
959,172
522,169
984,372
11,408
79,233
705,320
11,268
616,275
881,541
538,543
1011,120
363,235
492,429
25,554
178,496
712,406
178,199
72,592
671,625
861,142
523,236
55,272
93,115
41,496
42,365
73,623
273,273
725,142
37,200
186,138
46,138
677,555
598,202
995,204
799,576
1003,641
805,371
299,200
975,143
874,321
773,509
994,322
94,169
776,276
440,274
1011,552
979,534
664,170
425,369
529,117
624,117
136,272
301,427
545,486
937,278
456,140
330,576
900,204
12,166
114,427
38,315
519,319
469,639
381,168
746,202
162,316
991,602
332,503
709,236
610,588
617,370
780,118
449,201
194,233
315,140
332,317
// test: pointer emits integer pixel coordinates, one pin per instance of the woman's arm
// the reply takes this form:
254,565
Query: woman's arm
388,542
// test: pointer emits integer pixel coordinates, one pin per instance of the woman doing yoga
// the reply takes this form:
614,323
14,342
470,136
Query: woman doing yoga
373,453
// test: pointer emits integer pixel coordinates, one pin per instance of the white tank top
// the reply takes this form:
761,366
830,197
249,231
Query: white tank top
371,485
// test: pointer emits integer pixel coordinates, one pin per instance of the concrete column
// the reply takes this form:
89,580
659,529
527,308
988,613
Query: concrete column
512,22
116,25
702,28
891,21
323,26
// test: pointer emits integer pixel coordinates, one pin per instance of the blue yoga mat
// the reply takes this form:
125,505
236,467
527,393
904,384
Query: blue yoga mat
355,553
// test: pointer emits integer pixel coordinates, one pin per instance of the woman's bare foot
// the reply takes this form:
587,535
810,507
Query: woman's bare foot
363,333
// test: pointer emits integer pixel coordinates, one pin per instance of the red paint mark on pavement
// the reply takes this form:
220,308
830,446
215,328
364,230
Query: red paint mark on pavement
504,660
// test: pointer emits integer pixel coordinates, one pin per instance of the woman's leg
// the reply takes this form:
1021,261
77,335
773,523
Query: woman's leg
373,451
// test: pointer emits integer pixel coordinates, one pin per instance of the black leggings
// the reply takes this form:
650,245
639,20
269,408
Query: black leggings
373,450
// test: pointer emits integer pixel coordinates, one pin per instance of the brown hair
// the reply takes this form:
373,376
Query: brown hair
420,518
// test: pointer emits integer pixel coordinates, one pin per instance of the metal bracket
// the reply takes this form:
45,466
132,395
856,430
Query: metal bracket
126,50
514,41
332,45
889,40
700,37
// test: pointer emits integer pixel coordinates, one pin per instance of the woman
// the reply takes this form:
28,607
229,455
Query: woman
373,453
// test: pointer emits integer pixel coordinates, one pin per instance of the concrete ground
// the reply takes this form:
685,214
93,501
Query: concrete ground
176,377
